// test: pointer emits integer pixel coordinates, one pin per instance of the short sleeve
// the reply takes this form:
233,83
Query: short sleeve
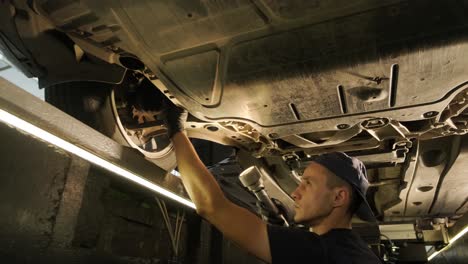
293,245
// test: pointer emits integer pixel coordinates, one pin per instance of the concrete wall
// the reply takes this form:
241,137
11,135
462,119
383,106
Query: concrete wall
57,208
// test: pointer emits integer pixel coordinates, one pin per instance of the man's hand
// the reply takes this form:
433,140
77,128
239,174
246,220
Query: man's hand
270,217
174,118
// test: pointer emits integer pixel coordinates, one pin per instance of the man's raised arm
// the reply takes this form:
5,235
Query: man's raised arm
235,222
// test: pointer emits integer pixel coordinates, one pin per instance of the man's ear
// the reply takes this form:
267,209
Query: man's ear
341,196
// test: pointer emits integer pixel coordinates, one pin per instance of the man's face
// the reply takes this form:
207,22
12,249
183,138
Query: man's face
313,199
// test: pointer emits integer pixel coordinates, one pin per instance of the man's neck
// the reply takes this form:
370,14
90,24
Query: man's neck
330,223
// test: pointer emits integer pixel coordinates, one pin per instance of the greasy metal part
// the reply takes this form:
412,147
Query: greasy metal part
394,157
243,129
455,107
452,183
94,49
123,59
445,234
144,137
79,53
339,137
460,224
394,212
31,109
375,123
440,224
434,156
299,141
436,233
432,236
354,145
451,121
427,168
382,128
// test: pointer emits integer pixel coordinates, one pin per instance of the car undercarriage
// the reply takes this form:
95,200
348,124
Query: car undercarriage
276,82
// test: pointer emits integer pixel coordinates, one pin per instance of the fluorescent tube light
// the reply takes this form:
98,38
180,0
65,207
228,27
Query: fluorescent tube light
433,255
460,234
67,146
451,241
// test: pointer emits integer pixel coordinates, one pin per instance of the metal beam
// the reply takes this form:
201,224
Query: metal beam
398,231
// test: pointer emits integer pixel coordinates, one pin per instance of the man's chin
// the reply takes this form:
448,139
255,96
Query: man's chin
298,219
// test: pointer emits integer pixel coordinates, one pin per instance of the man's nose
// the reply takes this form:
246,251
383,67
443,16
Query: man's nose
295,194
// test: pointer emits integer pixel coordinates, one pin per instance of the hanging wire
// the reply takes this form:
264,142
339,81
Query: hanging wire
178,232
174,234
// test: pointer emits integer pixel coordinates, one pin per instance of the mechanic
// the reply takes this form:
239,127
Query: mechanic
332,189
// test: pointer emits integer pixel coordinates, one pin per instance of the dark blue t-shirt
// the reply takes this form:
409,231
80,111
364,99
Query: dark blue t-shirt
338,246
